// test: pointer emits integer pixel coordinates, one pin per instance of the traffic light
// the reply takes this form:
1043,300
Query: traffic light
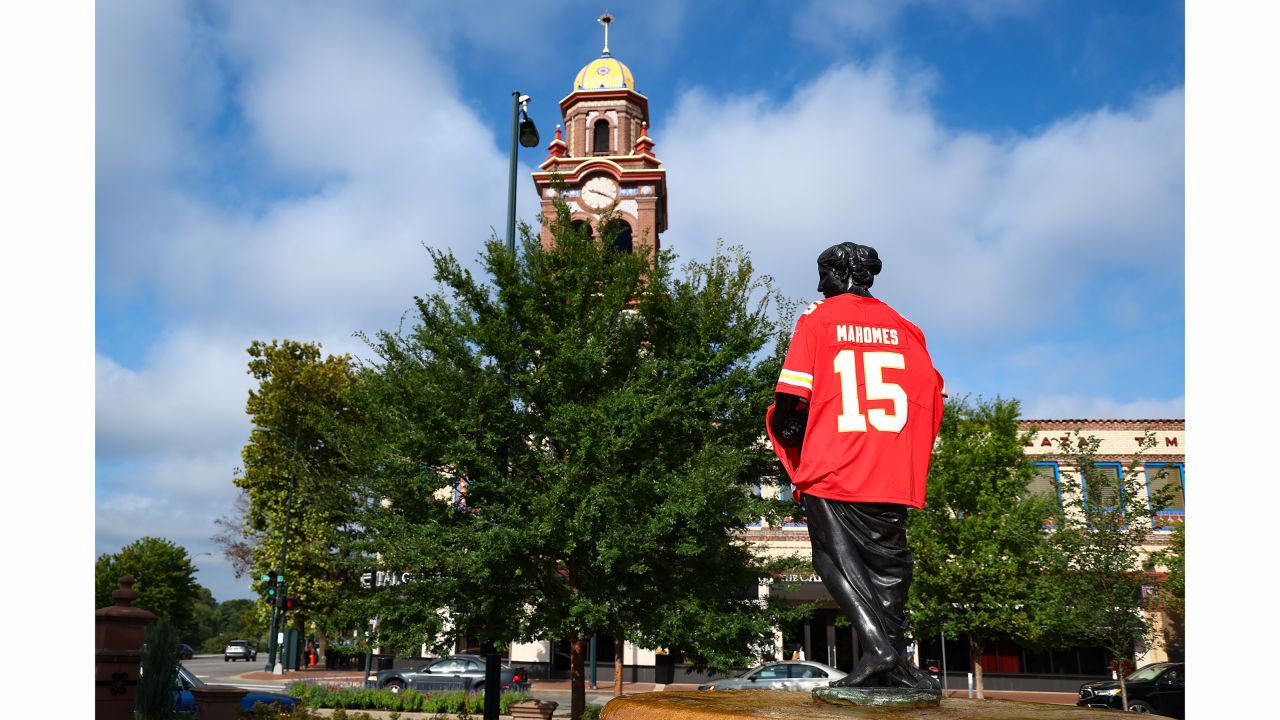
273,586
291,603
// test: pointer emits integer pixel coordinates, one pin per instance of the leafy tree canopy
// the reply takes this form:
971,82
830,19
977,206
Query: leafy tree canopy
979,544
164,579
292,478
1102,538
571,449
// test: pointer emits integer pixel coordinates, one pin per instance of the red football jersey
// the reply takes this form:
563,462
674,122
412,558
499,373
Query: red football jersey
875,403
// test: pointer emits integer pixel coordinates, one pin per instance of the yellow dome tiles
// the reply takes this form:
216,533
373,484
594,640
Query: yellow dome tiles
604,73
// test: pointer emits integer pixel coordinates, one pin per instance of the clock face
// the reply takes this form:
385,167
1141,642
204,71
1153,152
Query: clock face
599,192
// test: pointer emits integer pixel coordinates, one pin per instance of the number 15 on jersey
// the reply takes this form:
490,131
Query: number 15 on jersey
872,366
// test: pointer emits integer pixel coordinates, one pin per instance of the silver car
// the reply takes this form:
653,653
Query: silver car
800,675
239,650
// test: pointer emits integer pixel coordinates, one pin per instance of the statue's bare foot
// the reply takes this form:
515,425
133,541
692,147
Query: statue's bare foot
867,666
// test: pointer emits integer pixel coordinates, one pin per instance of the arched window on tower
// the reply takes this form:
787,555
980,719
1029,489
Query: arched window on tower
600,138
618,232
582,226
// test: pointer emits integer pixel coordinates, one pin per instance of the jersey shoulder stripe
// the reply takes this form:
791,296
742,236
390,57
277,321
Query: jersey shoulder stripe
794,377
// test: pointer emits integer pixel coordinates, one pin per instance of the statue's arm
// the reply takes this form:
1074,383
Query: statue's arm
790,415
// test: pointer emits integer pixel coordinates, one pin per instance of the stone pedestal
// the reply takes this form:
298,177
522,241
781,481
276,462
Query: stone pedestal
737,704
218,702
878,697
119,632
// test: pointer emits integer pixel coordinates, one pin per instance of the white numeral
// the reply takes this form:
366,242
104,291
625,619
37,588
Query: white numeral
873,365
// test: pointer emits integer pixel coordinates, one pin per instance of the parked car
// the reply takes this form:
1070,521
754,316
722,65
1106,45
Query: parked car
185,652
802,675
185,701
239,650
455,672
1154,689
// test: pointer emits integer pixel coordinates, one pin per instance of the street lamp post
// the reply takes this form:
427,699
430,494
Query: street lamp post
523,130
274,661
525,133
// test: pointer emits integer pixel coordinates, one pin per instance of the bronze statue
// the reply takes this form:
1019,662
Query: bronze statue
857,409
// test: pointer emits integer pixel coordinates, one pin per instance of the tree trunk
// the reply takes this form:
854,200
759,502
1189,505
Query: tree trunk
577,678
976,646
1121,668
322,646
617,666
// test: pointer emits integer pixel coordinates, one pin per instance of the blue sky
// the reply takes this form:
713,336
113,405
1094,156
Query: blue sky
271,170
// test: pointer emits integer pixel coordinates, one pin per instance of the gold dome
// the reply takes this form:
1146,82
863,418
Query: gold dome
604,73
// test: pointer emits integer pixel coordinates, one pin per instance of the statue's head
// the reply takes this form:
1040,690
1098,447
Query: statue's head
847,268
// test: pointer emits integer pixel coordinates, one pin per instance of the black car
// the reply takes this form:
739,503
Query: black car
1156,689
455,672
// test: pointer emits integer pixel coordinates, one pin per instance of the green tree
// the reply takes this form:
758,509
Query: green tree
297,388
204,619
572,449
237,619
980,545
1102,537
164,578
1173,591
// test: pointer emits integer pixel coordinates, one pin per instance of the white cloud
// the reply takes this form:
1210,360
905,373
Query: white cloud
977,232
189,398
353,108
1082,407
831,22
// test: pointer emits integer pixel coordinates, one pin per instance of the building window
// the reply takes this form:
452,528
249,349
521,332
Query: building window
1167,477
619,231
1045,481
1101,485
600,138
787,493
1045,484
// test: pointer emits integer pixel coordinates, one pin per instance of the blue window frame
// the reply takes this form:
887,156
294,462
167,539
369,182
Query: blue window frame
1168,475
1109,494
1046,482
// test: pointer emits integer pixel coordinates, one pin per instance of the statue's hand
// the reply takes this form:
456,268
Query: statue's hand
790,416
792,429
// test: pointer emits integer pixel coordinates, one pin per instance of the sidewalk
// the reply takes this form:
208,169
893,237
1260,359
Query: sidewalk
1052,698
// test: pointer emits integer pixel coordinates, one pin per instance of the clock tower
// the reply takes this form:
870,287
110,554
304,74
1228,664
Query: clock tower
606,162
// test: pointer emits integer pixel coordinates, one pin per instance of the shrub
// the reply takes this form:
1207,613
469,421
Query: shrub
453,702
154,700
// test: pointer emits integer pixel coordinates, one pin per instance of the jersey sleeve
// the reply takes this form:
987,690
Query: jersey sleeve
796,377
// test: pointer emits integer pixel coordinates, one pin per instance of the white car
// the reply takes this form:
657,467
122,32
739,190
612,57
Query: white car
239,650
800,675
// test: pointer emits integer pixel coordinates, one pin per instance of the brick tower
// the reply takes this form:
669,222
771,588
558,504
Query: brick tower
606,163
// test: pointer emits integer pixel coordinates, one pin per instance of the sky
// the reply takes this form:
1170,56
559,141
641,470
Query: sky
273,170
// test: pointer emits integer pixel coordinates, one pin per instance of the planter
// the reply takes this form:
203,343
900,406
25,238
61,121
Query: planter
533,710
